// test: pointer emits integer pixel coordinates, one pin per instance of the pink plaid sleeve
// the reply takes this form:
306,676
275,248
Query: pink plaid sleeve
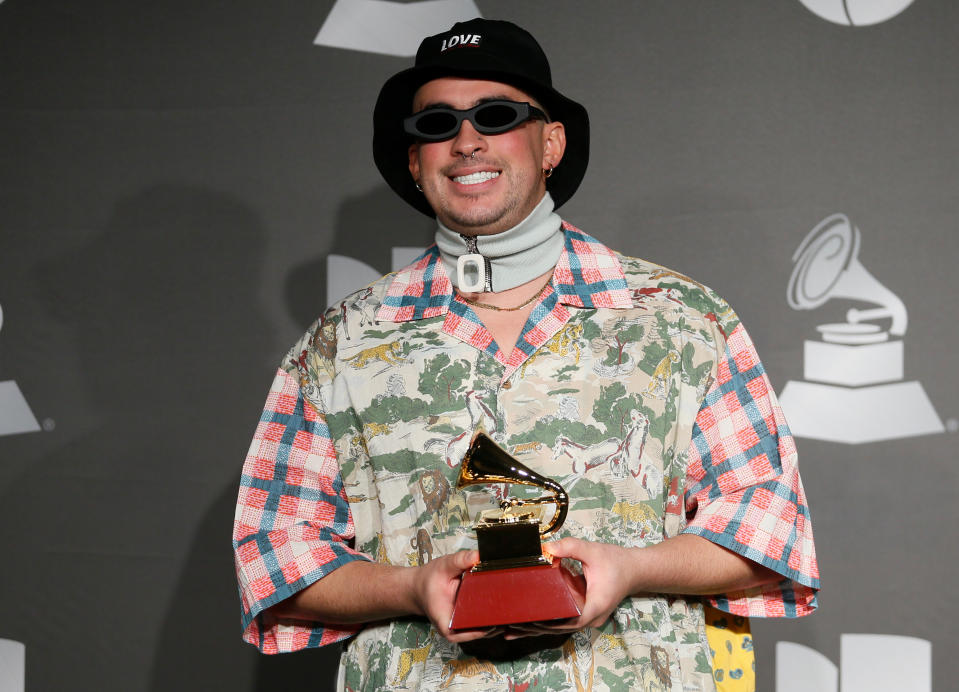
293,523
743,487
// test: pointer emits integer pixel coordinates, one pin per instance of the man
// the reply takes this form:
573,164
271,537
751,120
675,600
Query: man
635,387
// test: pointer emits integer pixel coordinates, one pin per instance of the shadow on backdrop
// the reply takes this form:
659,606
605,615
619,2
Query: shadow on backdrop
207,606
367,227
159,318
199,645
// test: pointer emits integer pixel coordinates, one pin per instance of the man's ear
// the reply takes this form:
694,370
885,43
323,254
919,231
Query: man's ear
414,154
554,144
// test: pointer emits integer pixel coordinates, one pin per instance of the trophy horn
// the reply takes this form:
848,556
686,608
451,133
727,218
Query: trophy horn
487,462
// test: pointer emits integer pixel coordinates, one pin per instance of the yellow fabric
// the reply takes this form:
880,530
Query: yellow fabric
731,643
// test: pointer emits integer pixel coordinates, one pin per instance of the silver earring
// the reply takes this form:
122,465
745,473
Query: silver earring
418,186
548,173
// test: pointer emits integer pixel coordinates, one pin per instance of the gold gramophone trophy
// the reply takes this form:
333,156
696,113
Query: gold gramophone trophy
514,581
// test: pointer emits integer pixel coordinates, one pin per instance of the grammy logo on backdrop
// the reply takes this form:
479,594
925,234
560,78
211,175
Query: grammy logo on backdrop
856,12
868,663
12,666
15,414
393,28
852,390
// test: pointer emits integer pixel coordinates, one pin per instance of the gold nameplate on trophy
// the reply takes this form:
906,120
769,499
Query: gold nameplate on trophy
514,581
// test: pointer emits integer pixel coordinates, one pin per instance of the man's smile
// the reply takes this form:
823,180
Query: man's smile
475,178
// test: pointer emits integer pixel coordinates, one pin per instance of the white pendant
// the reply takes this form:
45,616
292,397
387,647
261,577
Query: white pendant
474,264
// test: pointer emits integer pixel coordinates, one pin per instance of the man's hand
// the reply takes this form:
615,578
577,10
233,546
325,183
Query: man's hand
363,591
607,573
685,564
434,589
606,580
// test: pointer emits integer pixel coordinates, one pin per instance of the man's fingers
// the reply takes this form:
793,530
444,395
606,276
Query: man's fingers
559,548
459,636
467,558
567,547
451,566
462,560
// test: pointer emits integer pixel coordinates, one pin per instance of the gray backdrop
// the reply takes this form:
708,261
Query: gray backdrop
174,177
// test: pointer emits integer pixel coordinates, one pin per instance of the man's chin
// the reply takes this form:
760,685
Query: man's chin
476,220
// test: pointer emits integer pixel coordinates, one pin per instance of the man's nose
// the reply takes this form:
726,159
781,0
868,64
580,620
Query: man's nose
467,141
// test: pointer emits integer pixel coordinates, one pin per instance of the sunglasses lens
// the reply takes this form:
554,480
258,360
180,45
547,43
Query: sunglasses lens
434,123
490,118
496,117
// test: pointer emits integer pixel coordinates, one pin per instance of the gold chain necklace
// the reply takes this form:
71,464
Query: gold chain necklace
477,304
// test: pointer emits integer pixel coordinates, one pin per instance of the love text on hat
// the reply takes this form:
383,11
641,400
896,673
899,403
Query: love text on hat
460,40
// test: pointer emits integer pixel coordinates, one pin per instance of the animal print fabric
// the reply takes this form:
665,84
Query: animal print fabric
731,645
619,361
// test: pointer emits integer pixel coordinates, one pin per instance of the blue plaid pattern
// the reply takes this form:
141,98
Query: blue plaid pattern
421,290
743,487
588,274
293,520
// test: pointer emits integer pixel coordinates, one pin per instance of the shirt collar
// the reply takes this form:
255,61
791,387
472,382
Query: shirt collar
587,275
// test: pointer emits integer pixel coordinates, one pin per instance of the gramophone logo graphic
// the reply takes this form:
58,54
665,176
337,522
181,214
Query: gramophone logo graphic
15,413
852,389
387,27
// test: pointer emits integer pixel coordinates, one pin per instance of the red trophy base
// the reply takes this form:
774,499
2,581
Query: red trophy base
511,596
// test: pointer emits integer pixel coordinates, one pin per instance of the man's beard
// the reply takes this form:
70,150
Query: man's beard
482,215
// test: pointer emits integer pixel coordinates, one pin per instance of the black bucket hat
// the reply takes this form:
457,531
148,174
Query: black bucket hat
478,49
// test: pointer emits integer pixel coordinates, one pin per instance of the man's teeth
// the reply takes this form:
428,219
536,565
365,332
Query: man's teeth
474,178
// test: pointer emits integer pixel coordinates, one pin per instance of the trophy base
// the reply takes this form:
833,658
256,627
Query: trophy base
512,596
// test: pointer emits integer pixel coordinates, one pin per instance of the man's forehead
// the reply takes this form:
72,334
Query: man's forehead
460,92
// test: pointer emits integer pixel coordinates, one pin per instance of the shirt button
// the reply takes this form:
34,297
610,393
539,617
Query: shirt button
507,385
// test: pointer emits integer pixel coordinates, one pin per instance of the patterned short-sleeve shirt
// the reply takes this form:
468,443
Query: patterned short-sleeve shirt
635,387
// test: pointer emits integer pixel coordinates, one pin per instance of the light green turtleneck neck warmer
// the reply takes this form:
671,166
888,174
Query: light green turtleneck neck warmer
520,254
